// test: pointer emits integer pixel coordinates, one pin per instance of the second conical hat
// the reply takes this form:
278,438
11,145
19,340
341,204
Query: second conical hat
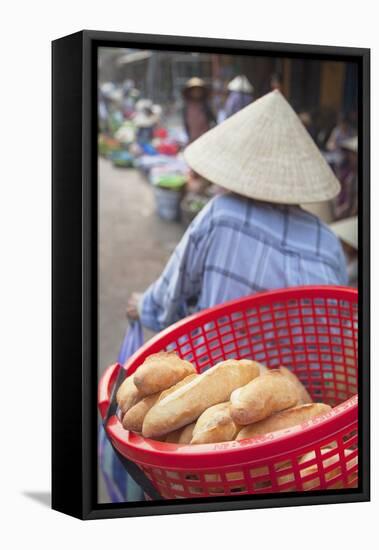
347,230
264,152
240,84
351,144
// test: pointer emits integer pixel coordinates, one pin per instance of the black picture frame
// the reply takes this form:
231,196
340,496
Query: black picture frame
74,273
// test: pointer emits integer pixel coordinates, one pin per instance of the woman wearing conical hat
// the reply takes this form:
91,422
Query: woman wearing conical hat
255,236
240,95
197,114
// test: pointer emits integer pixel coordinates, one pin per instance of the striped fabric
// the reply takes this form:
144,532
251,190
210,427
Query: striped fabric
119,485
236,247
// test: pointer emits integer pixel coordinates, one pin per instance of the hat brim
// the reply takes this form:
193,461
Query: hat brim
264,152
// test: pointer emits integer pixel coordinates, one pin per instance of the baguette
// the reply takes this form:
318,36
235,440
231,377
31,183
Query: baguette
127,394
133,418
304,396
175,387
186,404
182,436
262,369
215,425
283,419
161,371
269,393
186,435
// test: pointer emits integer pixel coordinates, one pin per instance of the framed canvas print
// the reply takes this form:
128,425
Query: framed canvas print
210,274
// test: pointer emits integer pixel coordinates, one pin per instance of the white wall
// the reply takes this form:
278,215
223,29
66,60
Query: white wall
27,29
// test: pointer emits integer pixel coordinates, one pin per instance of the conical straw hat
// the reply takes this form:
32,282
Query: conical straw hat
351,144
264,152
240,84
195,82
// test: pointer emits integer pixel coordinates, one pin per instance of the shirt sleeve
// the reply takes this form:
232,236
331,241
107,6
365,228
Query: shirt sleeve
166,300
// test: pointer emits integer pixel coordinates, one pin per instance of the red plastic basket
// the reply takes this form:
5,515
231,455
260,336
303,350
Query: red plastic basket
311,330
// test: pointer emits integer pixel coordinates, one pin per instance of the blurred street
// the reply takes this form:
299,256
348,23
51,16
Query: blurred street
134,245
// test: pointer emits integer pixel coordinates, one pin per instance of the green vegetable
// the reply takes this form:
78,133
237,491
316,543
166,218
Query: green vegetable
172,181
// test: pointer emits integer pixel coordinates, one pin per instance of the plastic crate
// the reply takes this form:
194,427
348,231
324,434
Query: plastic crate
313,331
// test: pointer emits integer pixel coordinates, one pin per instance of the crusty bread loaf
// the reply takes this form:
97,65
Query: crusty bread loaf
127,394
283,419
161,371
173,437
262,368
215,425
186,404
133,418
182,436
186,435
175,387
304,396
269,393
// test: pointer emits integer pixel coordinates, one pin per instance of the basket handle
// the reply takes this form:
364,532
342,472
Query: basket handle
107,406
106,386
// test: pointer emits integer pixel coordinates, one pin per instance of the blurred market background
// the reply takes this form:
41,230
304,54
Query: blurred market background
148,112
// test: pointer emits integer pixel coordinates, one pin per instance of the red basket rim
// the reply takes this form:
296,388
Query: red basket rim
151,452
155,453
191,322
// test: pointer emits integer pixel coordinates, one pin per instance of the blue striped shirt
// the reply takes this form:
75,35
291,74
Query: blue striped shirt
236,247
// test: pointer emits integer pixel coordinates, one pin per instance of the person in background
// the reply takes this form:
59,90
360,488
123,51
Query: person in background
346,204
342,131
218,100
115,115
130,97
107,91
347,231
102,112
240,95
146,118
255,236
197,114
306,119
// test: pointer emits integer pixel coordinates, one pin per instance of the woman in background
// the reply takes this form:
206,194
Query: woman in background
198,117
342,131
346,204
240,95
